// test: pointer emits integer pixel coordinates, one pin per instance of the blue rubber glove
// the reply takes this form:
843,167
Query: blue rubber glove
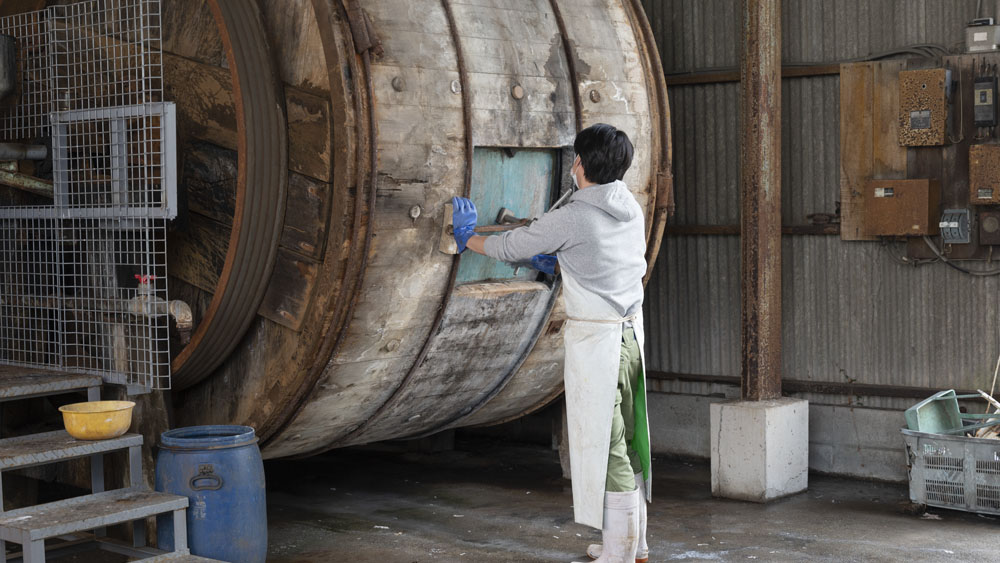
463,221
545,263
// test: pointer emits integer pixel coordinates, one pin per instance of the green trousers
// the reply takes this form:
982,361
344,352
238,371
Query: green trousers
623,460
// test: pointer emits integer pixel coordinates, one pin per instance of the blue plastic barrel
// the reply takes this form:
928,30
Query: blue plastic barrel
220,470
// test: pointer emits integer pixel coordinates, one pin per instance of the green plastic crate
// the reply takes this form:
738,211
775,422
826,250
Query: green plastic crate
937,414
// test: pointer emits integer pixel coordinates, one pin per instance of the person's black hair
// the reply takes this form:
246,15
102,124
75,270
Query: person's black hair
605,153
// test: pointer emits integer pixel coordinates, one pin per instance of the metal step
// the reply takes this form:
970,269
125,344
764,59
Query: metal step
179,557
51,447
22,383
33,524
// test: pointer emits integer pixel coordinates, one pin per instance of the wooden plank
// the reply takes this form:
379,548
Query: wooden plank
189,31
520,180
289,289
310,135
856,140
888,156
293,31
307,215
483,335
206,111
209,180
203,95
197,253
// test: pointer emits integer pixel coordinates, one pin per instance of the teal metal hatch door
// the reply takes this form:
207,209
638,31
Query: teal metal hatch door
521,180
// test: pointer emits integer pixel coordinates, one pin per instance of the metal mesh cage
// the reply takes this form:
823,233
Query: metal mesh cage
84,273
29,116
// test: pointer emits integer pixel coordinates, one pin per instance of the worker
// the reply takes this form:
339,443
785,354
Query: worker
597,241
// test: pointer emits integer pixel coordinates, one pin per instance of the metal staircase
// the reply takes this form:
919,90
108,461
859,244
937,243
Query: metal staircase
78,523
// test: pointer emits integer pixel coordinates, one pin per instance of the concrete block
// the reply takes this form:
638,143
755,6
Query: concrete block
760,449
857,441
678,424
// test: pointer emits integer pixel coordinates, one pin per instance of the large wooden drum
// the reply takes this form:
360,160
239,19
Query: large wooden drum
319,143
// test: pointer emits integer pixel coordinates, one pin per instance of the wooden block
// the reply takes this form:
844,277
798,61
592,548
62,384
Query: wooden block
310,135
204,97
289,289
206,111
208,178
292,27
888,157
189,30
197,253
307,215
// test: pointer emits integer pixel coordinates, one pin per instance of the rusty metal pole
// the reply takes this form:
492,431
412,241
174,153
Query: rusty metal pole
760,199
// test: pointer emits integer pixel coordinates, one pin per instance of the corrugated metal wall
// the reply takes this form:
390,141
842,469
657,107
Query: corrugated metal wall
850,311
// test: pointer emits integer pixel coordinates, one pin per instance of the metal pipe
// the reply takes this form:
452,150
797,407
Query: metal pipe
793,386
184,319
824,229
16,151
760,199
733,75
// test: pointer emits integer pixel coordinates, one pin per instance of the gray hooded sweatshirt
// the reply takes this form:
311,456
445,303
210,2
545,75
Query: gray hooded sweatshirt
599,237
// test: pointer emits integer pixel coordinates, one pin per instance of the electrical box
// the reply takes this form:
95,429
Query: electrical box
954,226
902,207
989,227
985,101
984,174
981,35
923,106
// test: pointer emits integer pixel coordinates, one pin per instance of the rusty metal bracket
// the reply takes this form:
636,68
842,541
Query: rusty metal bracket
362,30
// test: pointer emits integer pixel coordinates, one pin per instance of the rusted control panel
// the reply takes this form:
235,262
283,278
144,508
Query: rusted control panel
984,174
902,207
923,107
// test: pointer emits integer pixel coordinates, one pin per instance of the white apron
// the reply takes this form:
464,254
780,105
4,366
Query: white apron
593,339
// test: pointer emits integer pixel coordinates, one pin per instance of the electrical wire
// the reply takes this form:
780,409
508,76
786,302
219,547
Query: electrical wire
936,251
887,245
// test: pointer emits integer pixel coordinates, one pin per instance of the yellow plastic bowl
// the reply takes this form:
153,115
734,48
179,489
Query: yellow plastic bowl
97,420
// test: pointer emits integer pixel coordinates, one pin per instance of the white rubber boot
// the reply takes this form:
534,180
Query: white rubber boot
642,549
620,535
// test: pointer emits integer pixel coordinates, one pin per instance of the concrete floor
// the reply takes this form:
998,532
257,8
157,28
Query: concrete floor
493,501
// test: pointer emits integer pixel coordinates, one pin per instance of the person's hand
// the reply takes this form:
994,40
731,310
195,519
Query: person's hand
545,263
463,221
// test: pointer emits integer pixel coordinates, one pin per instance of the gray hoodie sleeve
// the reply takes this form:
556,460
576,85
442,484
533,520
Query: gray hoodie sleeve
545,236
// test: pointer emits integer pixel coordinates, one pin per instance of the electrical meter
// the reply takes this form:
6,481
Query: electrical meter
985,102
